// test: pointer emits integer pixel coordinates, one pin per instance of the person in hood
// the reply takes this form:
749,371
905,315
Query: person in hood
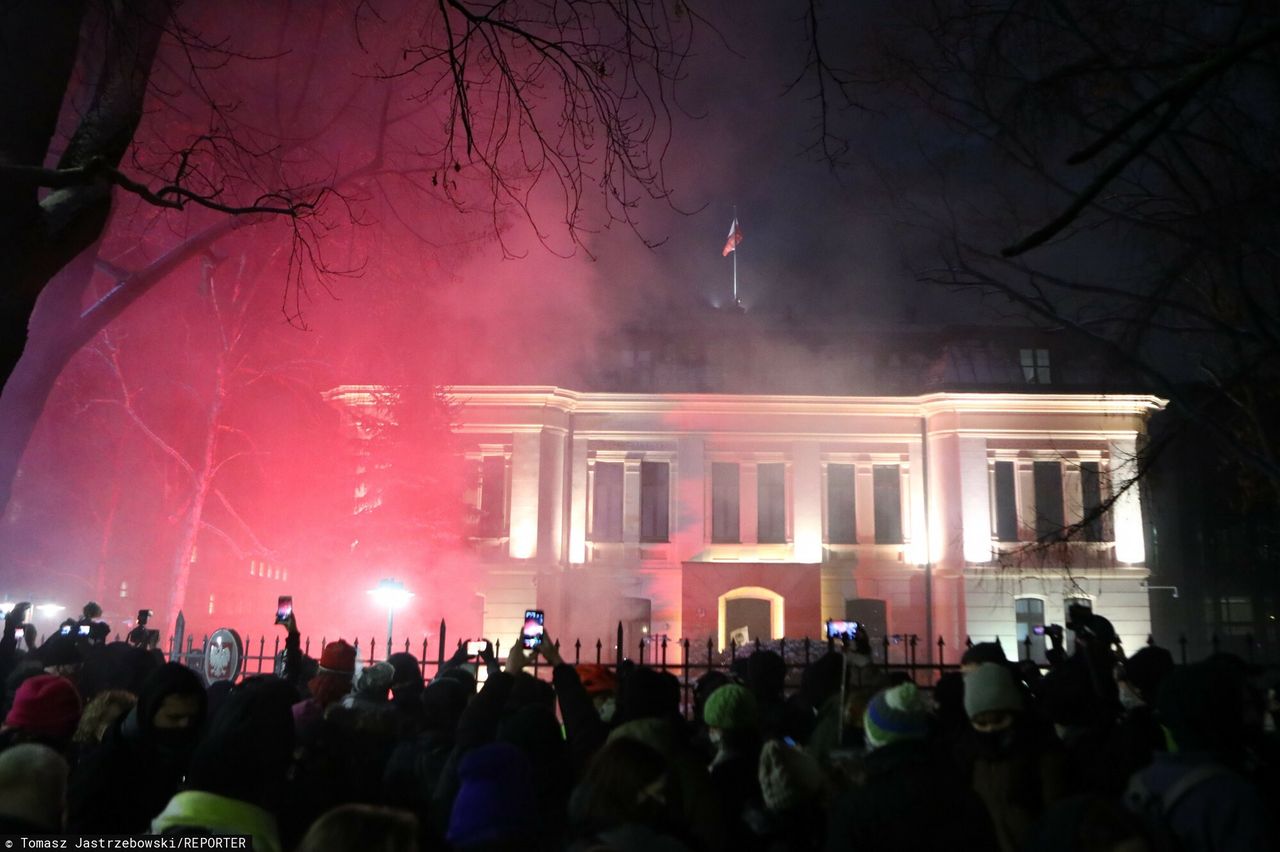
125,782
239,770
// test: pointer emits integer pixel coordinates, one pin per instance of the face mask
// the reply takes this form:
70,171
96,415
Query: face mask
995,743
174,742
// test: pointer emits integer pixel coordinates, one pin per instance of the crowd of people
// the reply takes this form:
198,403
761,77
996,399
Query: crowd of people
1098,753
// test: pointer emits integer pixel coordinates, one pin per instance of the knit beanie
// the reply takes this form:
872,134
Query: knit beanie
895,714
788,776
46,705
596,679
338,658
731,708
989,688
495,800
376,679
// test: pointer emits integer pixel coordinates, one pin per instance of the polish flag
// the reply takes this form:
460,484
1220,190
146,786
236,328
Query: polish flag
735,237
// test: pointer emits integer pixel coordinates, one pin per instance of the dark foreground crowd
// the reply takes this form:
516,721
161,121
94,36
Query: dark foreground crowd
1099,754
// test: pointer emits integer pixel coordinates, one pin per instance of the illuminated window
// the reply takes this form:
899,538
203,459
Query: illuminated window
1035,366
655,500
124,589
724,503
1006,503
841,515
606,502
771,503
493,497
1029,615
888,504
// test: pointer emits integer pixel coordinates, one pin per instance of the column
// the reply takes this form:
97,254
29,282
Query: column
688,514
864,503
917,544
526,461
748,502
806,466
578,502
631,505
975,499
1126,511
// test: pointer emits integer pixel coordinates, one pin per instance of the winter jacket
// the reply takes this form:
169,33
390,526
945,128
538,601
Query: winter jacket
219,815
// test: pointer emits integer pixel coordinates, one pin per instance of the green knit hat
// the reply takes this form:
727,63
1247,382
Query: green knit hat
731,708
895,714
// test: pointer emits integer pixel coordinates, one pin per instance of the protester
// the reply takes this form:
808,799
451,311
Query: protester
46,709
982,756
118,787
1012,770
33,790
362,828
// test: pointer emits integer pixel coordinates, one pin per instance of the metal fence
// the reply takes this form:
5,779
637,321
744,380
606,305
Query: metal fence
686,660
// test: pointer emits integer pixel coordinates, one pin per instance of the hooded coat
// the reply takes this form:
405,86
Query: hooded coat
120,786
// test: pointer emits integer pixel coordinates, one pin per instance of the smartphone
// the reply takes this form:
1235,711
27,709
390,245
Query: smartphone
143,615
284,608
842,629
65,630
19,633
1038,630
475,647
84,629
531,636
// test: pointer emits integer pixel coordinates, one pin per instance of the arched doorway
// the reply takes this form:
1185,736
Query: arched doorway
755,608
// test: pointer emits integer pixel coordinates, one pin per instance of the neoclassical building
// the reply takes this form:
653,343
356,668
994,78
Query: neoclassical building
695,515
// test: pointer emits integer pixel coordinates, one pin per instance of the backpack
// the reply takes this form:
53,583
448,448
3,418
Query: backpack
1154,809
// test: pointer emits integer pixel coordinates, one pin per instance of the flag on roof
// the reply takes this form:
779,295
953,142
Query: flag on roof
735,237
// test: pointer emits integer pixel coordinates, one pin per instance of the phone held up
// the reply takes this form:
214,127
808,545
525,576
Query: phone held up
847,630
531,635
475,647
284,608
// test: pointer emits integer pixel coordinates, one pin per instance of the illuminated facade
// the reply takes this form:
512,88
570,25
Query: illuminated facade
712,515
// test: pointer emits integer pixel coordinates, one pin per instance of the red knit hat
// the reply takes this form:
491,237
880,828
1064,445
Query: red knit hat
596,679
338,658
47,705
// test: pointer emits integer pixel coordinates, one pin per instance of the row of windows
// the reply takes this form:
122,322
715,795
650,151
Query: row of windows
1049,515
1048,521
606,501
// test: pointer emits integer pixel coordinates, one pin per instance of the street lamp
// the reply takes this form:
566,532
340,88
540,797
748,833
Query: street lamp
393,595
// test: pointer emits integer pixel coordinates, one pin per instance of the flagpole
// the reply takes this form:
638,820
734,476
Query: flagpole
735,256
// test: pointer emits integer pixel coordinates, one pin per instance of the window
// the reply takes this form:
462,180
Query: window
655,500
1049,511
1091,501
1029,614
724,502
606,502
771,503
842,527
493,497
1035,366
1006,503
888,504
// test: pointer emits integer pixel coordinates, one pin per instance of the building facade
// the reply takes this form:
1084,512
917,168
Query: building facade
696,516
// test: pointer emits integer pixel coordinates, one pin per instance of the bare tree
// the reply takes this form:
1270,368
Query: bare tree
217,124
1106,169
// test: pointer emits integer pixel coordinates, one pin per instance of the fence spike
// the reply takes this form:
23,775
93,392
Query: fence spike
577,651
618,649
599,650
